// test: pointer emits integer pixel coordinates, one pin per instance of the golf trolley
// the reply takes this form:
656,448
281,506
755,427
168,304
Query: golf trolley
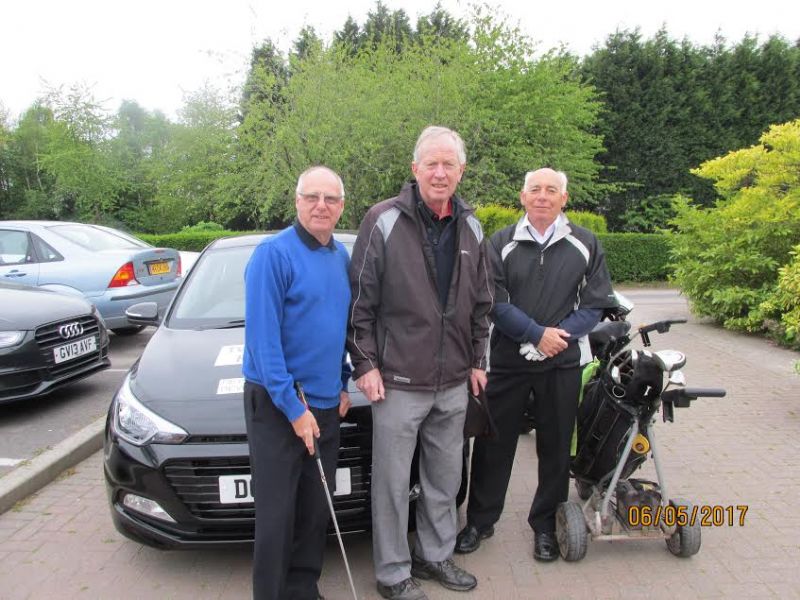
615,434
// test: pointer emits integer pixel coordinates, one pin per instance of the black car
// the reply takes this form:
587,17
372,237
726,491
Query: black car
47,339
176,455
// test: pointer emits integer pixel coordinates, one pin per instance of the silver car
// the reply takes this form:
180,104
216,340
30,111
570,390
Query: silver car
111,269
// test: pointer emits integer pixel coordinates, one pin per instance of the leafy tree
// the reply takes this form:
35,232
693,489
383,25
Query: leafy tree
727,258
195,170
360,114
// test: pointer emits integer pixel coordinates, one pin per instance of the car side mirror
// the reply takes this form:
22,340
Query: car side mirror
143,313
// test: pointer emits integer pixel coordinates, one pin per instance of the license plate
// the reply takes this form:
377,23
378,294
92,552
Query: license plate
74,349
158,268
235,489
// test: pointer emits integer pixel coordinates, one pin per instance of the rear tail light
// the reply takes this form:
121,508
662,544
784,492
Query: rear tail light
123,277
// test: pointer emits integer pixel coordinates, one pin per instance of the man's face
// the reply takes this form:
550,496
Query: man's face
319,204
542,198
438,170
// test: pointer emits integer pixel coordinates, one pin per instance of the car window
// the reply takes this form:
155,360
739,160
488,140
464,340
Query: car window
213,296
96,239
44,251
15,247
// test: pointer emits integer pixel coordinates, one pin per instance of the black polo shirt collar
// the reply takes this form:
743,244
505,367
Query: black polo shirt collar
310,241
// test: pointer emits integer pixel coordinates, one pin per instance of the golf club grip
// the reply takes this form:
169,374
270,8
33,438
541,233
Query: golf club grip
316,447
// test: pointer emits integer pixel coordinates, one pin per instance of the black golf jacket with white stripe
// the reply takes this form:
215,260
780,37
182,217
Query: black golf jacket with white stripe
536,286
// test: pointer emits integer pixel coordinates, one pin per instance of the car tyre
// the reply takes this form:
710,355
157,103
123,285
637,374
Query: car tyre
133,330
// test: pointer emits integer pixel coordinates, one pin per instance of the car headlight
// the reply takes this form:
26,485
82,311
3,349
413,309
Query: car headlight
137,424
10,338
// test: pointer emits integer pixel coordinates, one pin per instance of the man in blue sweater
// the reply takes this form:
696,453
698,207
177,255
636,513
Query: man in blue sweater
297,298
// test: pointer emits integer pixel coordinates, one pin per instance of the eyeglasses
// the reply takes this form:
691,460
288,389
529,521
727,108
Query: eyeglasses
329,199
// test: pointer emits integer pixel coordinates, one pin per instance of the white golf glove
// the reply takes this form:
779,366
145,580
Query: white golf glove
530,352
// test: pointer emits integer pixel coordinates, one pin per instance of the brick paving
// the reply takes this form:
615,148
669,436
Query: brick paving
738,450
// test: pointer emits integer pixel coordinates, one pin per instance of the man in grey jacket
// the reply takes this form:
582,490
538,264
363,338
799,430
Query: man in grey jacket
417,334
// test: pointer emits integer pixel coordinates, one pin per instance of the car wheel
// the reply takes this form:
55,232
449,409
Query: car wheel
128,330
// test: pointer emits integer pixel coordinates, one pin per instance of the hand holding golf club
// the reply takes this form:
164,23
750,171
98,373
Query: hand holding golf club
306,428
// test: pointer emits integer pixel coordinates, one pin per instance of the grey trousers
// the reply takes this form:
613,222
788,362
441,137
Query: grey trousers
438,417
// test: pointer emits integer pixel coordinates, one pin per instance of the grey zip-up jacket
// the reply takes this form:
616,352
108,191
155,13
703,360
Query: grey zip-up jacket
396,320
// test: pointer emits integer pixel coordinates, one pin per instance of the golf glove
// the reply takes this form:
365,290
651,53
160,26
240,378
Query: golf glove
530,352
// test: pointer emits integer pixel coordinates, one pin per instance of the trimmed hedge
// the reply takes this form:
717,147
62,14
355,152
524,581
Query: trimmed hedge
637,256
187,240
630,256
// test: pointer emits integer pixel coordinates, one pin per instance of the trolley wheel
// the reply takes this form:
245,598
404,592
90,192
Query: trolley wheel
584,489
685,542
571,531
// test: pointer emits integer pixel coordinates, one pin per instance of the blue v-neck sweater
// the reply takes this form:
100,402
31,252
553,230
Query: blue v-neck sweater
296,302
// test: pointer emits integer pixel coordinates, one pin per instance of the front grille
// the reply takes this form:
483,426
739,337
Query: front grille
196,482
47,337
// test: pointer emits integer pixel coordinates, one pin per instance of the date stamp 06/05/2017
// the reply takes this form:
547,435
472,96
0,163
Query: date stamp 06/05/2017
706,515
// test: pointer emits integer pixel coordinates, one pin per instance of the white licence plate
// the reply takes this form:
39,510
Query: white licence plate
234,489
74,349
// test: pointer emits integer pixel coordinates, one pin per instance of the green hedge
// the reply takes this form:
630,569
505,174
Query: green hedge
187,240
637,256
630,256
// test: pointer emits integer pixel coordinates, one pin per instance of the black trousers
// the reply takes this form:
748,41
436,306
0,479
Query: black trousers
556,401
291,509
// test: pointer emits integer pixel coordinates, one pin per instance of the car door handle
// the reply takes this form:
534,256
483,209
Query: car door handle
14,273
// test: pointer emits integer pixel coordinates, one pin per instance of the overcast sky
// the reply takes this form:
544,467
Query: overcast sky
154,51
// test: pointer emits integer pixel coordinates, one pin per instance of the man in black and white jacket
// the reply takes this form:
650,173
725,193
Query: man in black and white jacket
551,286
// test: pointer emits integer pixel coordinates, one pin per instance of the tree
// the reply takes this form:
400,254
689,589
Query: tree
361,113
727,258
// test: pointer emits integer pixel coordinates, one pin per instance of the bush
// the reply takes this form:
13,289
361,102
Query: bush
202,226
637,256
187,240
781,309
592,222
494,217
727,258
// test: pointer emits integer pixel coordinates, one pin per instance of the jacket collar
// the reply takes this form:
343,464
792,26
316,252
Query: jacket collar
407,201
522,232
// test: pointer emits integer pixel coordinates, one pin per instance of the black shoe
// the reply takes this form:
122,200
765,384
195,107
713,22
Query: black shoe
469,539
545,546
446,572
408,589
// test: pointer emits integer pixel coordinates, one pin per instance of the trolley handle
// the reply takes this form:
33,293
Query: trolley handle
659,326
682,398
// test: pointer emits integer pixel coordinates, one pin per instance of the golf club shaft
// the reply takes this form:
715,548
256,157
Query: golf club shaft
333,517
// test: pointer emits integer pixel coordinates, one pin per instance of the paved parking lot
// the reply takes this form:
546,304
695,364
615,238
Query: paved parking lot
738,450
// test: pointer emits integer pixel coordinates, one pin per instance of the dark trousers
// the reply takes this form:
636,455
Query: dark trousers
291,509
556,400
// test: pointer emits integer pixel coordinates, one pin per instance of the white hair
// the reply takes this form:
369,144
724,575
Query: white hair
435,131
310,170
562,178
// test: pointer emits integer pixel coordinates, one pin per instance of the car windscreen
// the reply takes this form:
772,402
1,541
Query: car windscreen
213,295
95,239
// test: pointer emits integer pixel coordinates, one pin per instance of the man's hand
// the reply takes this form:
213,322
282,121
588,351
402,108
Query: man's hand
553,341
306,428
344,403
477,379
371,385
